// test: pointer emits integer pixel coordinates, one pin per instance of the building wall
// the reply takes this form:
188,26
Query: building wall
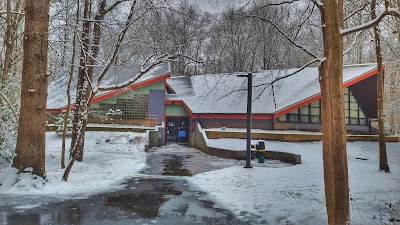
142,106
236,123
175,110
144,90
156,104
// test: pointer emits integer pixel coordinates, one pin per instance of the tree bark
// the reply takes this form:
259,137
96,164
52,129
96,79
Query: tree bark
71,72
30,151
7,56
383,164
80,111
12,22
333,117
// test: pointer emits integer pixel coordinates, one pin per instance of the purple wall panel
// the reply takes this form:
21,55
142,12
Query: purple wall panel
156,104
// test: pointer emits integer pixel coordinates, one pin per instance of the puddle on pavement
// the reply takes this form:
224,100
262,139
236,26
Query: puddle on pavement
146,203
174,166
168,164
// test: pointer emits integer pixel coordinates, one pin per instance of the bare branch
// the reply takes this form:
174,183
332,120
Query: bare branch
117,45
356,11
286,36
387,12
10,106
275,80
116,3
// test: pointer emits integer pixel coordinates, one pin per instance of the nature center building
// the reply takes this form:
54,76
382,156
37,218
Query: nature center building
220,100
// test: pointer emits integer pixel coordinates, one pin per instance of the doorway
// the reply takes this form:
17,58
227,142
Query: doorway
177,129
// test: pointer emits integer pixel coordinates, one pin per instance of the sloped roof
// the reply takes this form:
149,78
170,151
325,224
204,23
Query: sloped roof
227,93
57,89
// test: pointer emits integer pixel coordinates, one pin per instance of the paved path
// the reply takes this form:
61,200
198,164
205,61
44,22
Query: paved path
160,196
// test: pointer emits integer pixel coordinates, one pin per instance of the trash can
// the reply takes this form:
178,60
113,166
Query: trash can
260,147
260,156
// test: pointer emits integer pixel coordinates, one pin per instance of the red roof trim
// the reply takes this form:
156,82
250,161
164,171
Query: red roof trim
234,116
299,105
363,77
308,101
170,88
54,111
130,88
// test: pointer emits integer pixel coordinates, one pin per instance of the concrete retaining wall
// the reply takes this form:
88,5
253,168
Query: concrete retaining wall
298,137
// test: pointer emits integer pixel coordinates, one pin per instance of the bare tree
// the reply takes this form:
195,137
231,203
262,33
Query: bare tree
383,164
31,133
85,88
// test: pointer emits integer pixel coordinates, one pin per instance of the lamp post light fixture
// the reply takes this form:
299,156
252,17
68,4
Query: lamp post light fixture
248,135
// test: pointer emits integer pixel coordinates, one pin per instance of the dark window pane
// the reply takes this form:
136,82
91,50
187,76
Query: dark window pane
315,119
353,121
361,114
315,111
304,119
353,114
363,121
293,118
353,106
315,104
352,99
304,110
282,118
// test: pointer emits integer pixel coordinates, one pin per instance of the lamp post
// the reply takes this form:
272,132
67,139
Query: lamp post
248,135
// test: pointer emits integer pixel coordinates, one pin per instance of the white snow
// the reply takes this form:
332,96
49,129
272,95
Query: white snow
108,160
295,195
227,93
265,194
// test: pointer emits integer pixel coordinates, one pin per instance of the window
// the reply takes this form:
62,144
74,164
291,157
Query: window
354,114
134,108
311,113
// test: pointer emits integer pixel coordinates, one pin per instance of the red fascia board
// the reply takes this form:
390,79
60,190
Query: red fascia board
130,88
170,88
233,116
315,98
54,111
299,105
363,77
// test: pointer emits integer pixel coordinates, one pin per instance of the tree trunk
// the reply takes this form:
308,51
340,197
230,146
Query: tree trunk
30,151
71,72
383,164
12,23
8,44
333,118
80,111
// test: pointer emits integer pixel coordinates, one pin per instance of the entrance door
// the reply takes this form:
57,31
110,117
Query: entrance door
177,129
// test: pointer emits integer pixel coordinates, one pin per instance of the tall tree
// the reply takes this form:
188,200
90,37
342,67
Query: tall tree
31,133
383,163
333,117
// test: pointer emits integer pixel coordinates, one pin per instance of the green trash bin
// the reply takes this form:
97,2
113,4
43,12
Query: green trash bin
260,155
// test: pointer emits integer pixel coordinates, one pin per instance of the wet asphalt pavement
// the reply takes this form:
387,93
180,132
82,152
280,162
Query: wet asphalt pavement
160,196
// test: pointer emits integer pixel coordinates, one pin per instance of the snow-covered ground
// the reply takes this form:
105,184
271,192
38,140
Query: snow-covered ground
263,194
295,195
108,160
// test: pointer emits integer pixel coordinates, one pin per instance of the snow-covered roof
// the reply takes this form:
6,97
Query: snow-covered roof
227,93
57,90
